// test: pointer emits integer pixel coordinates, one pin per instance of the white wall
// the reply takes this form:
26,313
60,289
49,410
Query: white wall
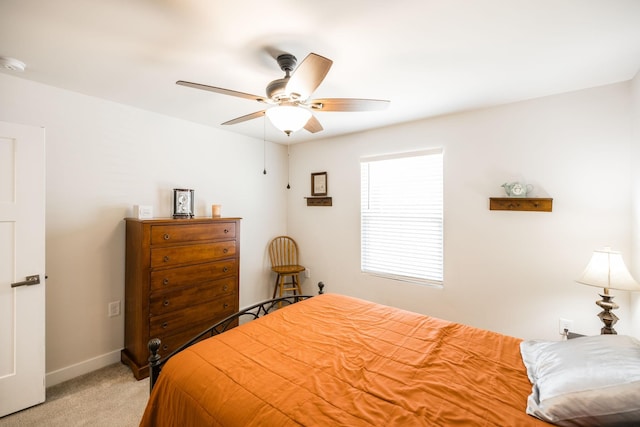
102,158
511,272
635,196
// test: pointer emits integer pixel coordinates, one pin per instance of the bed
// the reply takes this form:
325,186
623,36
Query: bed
333,360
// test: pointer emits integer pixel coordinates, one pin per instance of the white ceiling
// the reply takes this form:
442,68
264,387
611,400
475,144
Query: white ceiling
428,57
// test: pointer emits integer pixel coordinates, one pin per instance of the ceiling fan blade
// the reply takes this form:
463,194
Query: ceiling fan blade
313,125
245,118
221,90
348,104
308,75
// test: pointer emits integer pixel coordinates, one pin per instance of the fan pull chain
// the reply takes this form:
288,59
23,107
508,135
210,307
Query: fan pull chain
264,144
288,166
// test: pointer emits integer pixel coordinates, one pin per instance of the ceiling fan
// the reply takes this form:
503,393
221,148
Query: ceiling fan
289,107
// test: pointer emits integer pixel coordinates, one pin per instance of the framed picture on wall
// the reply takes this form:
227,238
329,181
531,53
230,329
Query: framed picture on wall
319,184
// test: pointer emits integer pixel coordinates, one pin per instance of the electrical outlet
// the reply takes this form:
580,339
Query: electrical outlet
565,324
307,273
114,309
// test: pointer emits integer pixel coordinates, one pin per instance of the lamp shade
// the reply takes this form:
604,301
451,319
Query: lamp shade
288,118
608,270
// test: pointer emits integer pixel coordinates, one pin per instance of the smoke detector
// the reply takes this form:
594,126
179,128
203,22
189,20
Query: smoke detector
12,64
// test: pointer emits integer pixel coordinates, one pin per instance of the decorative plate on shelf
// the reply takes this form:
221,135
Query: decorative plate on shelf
517,189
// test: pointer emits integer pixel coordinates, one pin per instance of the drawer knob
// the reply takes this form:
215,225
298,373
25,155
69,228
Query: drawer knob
225,250
165,303
225,305
165,259
225,288
165,347
164,325
225,269
226,231
165,282
166,236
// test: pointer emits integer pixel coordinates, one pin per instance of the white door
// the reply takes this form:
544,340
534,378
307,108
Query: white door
22,313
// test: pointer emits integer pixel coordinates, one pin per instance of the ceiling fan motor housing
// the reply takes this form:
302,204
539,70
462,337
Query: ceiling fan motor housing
276,89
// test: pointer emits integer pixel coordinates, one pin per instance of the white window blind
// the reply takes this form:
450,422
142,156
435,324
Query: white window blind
402,216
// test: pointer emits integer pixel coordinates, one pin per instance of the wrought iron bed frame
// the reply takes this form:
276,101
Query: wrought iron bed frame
156,362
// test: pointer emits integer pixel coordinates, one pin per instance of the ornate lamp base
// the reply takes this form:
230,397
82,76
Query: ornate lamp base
608,318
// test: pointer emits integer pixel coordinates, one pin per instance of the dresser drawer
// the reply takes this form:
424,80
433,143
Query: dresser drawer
181,320
169,343
192,274
175,255
166,302
166,234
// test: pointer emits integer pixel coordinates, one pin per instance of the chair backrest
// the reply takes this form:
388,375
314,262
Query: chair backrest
283,250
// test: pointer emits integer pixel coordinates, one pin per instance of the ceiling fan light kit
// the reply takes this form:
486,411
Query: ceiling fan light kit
289,97
288,118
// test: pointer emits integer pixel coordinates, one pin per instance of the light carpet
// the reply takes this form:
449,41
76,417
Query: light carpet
110,396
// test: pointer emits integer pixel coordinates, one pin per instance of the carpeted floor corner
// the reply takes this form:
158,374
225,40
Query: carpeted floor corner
110,396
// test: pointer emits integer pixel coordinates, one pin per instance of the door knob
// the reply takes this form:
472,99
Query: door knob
31,280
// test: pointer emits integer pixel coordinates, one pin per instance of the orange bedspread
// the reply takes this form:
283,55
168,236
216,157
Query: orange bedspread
338,361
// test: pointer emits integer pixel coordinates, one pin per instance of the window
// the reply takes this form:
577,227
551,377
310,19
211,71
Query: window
401,216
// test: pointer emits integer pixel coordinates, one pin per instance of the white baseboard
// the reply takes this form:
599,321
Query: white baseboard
70,372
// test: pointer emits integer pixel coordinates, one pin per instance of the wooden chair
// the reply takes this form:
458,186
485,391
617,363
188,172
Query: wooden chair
283,252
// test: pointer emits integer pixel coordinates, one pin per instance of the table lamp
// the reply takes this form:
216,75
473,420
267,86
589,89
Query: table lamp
607,270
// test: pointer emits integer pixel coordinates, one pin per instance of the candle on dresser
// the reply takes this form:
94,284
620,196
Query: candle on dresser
215,211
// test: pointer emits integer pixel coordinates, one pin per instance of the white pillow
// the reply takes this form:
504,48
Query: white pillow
588,381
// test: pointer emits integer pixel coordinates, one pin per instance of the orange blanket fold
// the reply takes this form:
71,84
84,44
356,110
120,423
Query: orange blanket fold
339,361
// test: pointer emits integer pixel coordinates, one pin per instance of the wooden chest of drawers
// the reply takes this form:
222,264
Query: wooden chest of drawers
182,275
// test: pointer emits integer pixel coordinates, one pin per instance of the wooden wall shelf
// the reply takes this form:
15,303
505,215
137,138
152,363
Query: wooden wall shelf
520,204
319,201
